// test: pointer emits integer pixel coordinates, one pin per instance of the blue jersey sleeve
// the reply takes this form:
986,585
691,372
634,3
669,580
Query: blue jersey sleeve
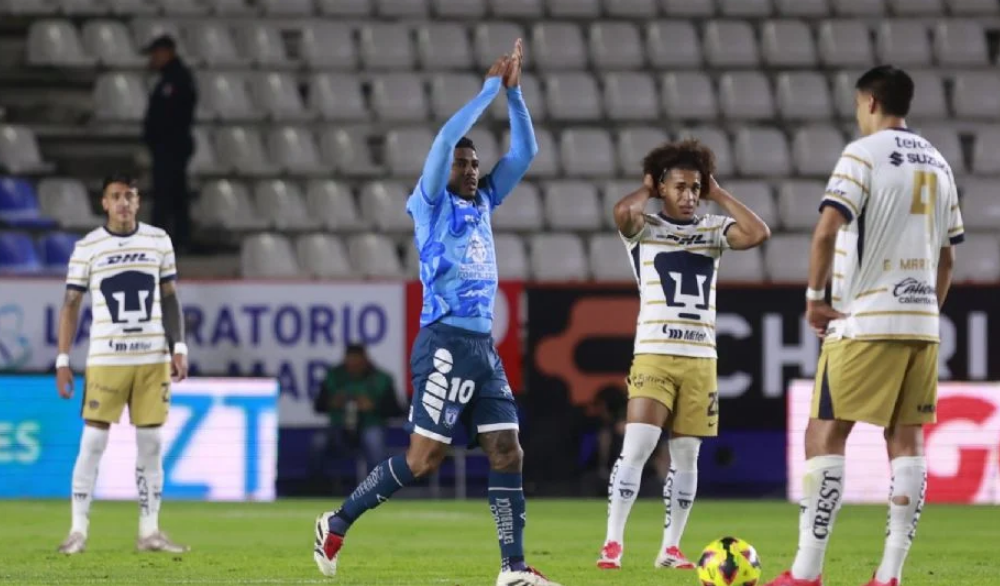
511,168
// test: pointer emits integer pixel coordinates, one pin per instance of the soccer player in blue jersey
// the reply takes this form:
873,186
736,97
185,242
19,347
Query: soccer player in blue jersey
458,379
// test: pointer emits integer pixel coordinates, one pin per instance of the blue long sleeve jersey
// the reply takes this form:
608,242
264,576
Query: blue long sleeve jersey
458,266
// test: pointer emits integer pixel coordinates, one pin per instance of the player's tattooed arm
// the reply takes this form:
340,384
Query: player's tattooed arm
946,263
173,316
629,211
749,230
69,318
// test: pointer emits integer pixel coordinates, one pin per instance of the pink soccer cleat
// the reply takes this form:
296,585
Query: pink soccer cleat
786,579
673,558
611,556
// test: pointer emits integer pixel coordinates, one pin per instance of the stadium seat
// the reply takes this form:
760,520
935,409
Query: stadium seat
960,42
986,151
277,95
241,150
803,95
785,258
490,40
762,152
845,43
730,43
929,99
348,151
587,152
411,260
56,43
383,205
978,258
574,8
558,257
677,92
339,8
508,9
612,192
145,30
19,154
110,42
802,8
843,93
630,8
616,45
263,45
572,205
323,256
132,8
798,204
758,196
56,250
742,266
224,96
67,201
673,44
451,91
634,144
333,205
204,161
980,205
375,256
859,7
285,205
227,204
688,8
916,7
487,148
182,7
213,43
120,97
386,46
904,43
788,43
18,254
815,149
745,8
572,96
328,45
521,211
337,96
631,96
558,46
609,259
746,95
399,97
976,95
268,256
512,259
30,7
19,205
294,151
444,46
286,7
948,144
973,7
531,93
460,9
716,140
406,150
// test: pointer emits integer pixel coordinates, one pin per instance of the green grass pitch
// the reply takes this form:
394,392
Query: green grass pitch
454,544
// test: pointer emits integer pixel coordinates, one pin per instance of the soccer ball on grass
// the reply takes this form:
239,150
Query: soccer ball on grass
729,562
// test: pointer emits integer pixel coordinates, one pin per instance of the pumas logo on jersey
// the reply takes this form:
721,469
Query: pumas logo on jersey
439,388
896,159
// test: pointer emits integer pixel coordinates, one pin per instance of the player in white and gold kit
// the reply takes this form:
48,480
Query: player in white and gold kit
889,219
675,259
136,346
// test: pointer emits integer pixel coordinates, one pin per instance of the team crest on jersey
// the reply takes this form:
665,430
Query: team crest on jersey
450,416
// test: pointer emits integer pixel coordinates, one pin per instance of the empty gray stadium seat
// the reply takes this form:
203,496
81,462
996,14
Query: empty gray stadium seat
531,93
67,201
284,205
294,151
383,206
241,149
742,266
487,148
119,97
145,30
986,151
558,46
980,205
286,7
745,8
587,152
762,152
788,43
903,42
31,7
574,8
204,161
612,192
347,150
977,95
572,205
222,7
56,43
323,256
110,42
406,150
546,162
451,91
785,258
517,8
399,97
401,8
333,206
609,260
697,8
444,46
512,259
182,7
490,40
816,149
277,95
803,95
130,7
960,42
263,45
464,9
521,211
572,96
973,7
947,142
268,256
859,7
798,204
227,204
689,95
978,258
386,46
631,96
19,151
558,257
730,43
673,44
746,95
807,8
716,140
757,195
928,99
634,144
224,96
916,7
845,43
375,256
616,45
337,96
630,8
328,45
843,93
214,45
345,7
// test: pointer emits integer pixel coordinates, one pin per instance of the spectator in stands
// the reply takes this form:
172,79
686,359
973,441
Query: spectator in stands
359,397
167,134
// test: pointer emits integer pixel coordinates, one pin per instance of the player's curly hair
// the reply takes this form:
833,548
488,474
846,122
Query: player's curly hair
684,154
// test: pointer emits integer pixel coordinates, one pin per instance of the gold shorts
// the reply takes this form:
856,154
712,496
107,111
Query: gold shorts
882,382
145,388
685,385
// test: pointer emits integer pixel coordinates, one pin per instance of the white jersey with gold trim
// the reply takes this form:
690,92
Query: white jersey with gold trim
123,274
675,266
899,197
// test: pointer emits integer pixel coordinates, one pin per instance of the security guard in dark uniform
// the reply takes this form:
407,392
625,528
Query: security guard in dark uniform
167,133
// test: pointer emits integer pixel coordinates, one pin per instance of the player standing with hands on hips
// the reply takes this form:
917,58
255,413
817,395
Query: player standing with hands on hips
136,348
458,379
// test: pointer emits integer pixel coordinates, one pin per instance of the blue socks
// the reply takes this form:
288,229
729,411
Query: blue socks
388,477
508,508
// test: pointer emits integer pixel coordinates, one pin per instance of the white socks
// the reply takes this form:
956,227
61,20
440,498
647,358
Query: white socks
823,488
906,501
623,487
148,478
680,488
92,444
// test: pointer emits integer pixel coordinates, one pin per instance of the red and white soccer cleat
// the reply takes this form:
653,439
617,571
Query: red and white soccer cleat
673,558
327,546
874,582
529,577
786,579
611,556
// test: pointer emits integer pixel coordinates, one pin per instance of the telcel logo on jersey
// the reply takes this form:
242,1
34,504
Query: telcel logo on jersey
439,389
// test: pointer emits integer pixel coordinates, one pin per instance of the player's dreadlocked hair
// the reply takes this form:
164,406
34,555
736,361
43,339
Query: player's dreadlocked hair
685,154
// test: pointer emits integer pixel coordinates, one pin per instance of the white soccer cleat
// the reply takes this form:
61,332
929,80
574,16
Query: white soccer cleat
673,558
611,556
327,546
159,542
76,542
529,577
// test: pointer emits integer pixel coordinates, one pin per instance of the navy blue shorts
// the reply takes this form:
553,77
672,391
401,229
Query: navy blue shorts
458,380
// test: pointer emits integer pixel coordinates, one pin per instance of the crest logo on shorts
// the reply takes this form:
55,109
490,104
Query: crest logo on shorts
450,416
